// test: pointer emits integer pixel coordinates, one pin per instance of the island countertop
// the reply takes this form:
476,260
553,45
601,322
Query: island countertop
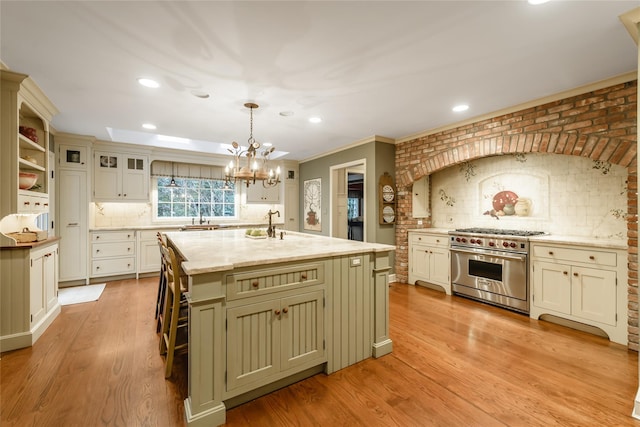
220,250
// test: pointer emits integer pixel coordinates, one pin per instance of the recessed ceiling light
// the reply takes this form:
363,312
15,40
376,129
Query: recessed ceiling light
315,120
460,108
267,144
148,82
149,126
536,2
286,113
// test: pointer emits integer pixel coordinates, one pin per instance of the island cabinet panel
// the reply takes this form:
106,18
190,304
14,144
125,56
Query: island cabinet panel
273,339
350,313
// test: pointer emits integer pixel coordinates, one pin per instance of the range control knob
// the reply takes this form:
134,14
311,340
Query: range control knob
505,244
478,241
513,245
472,240
458,239
464,240
492,243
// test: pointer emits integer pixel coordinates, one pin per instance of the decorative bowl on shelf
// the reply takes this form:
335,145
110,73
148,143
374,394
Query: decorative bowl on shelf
29,133
27,180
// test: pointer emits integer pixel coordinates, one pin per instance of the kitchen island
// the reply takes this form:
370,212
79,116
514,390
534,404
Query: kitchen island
266,312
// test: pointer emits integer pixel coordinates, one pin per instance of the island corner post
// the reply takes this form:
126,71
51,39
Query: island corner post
308,305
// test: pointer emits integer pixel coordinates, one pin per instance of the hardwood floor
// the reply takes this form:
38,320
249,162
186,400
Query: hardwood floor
455,362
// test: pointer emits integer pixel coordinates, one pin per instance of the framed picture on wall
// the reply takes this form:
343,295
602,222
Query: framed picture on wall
312,204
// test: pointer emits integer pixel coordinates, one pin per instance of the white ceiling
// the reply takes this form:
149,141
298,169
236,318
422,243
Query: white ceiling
387,68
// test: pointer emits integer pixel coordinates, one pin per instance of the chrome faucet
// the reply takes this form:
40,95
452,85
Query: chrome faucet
202,220
271,231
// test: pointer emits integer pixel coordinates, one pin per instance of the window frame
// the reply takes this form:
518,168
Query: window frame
172,219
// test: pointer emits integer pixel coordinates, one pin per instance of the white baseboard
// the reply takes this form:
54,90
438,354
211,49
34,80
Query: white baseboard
392,278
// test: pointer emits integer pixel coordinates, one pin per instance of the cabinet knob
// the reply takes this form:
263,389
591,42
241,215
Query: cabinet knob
565,272
97,250
437,240
255,284
303,276
575,274
277,312
98,268
46,204
119,194
592,258
37,203
550,253
97,237
27,203
285,310
125,194
128,249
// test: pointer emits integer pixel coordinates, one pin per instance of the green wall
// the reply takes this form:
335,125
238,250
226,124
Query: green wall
380,158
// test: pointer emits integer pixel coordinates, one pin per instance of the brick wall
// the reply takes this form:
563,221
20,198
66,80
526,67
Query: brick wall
600,125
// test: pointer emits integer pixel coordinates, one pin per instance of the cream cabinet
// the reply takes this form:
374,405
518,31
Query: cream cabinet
420,198
29,293
257,193
73,223
148,251
580,284
113,253
25,116
120,177
429,259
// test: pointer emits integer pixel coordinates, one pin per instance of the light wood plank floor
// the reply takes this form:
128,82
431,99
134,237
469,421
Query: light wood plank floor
455,362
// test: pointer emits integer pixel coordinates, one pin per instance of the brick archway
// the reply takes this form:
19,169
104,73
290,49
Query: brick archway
600,125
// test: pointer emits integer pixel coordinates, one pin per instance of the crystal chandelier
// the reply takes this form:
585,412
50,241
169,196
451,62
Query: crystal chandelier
257,164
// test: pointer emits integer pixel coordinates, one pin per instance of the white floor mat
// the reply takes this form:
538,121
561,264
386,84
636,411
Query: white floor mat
79,294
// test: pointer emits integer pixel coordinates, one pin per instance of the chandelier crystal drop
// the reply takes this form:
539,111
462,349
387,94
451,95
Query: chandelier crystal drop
256,167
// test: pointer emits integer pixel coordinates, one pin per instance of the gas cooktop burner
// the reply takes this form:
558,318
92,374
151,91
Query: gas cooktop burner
500,232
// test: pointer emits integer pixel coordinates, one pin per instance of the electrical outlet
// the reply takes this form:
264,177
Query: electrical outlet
419,222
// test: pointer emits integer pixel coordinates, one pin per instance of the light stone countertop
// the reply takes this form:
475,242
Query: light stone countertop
551,238
220,250
178,226
430,230
580,241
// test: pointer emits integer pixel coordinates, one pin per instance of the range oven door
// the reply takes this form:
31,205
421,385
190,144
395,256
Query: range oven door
494,276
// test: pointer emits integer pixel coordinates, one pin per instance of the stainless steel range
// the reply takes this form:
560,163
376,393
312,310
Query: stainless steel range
492,265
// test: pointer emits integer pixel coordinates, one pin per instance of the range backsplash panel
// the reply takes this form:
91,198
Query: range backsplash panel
553,193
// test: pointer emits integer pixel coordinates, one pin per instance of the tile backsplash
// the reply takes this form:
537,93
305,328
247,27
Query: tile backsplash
141,214
554,193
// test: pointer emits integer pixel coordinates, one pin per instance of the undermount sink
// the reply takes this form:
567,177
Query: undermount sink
195,227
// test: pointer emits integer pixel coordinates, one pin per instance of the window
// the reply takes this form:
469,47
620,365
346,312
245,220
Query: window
195,197
353,208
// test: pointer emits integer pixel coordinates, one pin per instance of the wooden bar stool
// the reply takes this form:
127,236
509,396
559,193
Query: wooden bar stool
175,313
162,285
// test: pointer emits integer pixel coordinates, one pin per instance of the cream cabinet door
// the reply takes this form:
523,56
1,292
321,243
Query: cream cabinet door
552,286
135,181
37,303
73,224
107,177
419,263
439,266
593,295
420,198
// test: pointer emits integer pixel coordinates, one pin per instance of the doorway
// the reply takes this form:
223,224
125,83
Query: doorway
348,201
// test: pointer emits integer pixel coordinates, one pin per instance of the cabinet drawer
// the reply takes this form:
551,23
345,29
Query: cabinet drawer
587,256
108,267
112,249
429,239
113,236
249,284
33,204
